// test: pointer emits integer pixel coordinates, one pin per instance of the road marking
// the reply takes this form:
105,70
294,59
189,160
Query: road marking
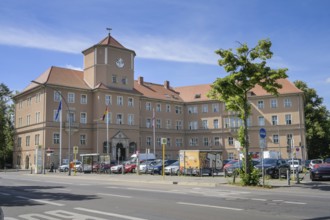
210,206
278,200
41,201
4,194
297,203
106,194
156,190
109,214
256,199
112,187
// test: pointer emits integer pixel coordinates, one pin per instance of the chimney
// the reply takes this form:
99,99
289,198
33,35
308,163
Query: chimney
140,80
167,84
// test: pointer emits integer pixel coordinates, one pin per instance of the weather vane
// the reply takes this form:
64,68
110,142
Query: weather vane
109,29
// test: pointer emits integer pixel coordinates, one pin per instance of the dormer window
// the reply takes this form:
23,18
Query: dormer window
197,96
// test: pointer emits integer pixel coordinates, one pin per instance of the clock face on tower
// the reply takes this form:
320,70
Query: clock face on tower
120,63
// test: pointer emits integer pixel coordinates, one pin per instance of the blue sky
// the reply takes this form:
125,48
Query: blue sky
174,40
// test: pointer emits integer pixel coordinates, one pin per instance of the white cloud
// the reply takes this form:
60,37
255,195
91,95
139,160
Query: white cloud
327,80
42,40
69,66
151,47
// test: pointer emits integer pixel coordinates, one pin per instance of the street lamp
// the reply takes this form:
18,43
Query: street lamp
65,102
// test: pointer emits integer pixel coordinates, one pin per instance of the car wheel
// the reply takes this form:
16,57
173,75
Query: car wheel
66,169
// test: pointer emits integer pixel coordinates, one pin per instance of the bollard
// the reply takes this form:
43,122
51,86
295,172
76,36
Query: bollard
297,171
288,176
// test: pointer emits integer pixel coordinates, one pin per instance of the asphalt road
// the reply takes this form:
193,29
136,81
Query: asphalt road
46,197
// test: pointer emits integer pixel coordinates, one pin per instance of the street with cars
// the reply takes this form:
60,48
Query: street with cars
131,196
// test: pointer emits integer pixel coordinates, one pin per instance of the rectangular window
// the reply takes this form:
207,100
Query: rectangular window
148,123
287,103
230,141
288,120
83,99
226,120
260,104
108,100
205,108
158,107
19,142
193,141
168,144
83,117
168,124
274,120
216,123
71,97
114,78
57,96
37,117
56,138
36,139
261,121
83,139
193,125
28,101
20,122
158,141
168,108
158,123
120,100
275,138
216,141
149,141
289,140
273,103
231,156
130,102
206,141
178,109
178,142
179,125
20,104
70,117
215,107
130,119
124,80
192,110
37,97
119,119
148,106
28,119
204,124
27,141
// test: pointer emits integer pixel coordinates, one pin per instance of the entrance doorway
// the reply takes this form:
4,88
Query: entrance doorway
27,162
120,152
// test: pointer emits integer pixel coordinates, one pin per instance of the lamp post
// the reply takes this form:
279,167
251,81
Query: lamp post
67,105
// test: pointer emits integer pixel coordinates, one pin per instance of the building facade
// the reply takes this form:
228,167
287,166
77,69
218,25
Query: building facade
105,111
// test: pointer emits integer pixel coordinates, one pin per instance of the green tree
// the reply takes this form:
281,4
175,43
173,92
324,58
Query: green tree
247,68
317,123
6,126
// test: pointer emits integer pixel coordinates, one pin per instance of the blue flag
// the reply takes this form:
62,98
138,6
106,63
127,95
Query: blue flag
58,110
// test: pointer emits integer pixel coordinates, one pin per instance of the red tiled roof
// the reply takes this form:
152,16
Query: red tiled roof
110,41
157,91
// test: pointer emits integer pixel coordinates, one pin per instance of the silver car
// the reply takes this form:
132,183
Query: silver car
173,169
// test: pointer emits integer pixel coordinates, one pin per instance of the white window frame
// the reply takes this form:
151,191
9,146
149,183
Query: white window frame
120,120
148,141
71,97
168,108
273,103
158,107
274,120
288,119
130,102
83,139
261,104
108,99
215,107
216,123
230,141
130,119
120,100
275,138
261,121
83,117
83,99
56,138
148,106
287,103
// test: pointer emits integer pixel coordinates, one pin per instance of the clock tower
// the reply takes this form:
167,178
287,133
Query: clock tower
109,63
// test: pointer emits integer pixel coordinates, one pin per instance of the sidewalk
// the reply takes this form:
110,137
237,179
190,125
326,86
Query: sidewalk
215,181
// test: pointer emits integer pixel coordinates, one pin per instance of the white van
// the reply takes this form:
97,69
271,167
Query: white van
142,157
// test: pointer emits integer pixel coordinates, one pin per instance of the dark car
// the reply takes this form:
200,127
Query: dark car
158,168
327,160
320,172
234,168
274,167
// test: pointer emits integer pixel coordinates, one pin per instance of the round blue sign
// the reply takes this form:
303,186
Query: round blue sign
262,132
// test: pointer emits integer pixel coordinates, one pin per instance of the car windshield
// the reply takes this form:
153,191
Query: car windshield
294,162
175,163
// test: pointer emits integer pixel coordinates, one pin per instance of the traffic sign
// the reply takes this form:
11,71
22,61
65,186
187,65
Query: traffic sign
262,133
75,149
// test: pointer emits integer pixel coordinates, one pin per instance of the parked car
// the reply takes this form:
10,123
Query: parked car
320,172
313,162
306,164
143,168
158,168
229,163
327,160
77,165
274,167
229,171
174,168
118,168
294,165
103,166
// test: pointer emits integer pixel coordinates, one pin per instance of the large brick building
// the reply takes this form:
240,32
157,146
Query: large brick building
183,115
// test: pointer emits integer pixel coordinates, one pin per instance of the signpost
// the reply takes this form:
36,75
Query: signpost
164,142
262,134
75,151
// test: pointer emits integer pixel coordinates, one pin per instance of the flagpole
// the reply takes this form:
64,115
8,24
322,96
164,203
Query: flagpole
154,130
60,163
107,111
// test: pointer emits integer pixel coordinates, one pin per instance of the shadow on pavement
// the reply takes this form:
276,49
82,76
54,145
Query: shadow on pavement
15,194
